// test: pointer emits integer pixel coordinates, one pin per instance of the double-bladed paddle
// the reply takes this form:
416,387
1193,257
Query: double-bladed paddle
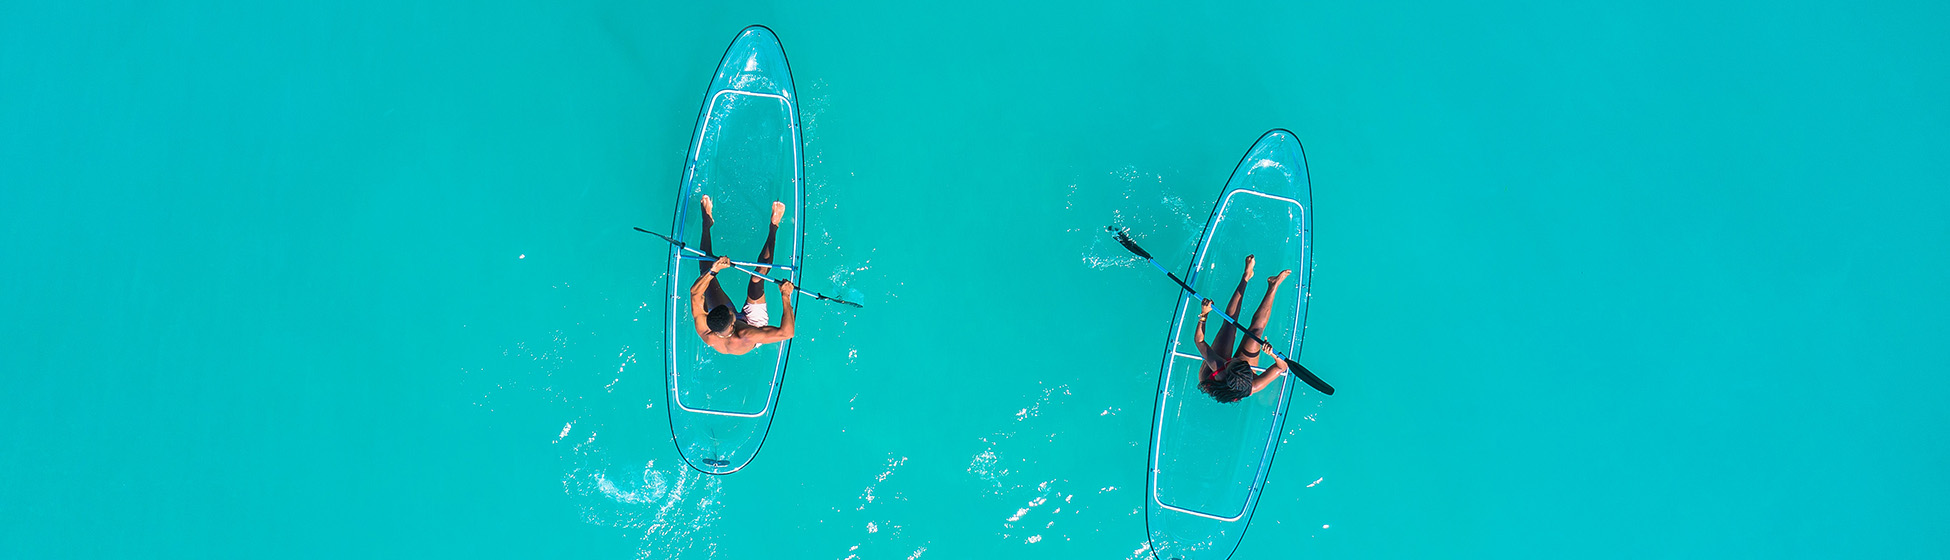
1298,370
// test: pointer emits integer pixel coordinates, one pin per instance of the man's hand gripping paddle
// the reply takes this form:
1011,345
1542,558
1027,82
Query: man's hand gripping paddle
742,266
1298,370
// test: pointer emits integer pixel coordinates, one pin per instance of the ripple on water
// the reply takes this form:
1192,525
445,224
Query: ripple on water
672,510
1143,201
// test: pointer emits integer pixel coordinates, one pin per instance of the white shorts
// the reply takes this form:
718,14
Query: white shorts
755,314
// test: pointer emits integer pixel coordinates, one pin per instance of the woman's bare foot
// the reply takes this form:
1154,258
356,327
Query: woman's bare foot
778,212
1248,275
705,201
1278,278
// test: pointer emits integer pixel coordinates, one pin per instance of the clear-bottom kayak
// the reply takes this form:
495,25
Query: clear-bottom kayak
745,155
1210,459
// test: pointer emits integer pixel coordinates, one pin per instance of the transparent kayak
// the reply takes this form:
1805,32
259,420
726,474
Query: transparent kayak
1210,459
745,153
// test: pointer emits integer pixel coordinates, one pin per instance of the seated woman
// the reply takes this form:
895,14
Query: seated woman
1226,374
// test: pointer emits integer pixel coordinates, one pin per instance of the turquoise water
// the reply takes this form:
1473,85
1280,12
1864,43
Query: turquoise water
357,280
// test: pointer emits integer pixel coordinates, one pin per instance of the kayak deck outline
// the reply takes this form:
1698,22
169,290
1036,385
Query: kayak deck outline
1187,304
798,165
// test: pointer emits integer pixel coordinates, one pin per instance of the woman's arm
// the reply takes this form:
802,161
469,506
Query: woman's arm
1208,366
787,317
1271,373
697,293
1198,336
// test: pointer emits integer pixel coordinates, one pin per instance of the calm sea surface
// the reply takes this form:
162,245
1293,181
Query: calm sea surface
357,279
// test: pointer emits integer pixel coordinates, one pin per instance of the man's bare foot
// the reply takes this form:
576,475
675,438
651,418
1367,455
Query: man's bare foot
705,201
778,212
1278,278
1249,268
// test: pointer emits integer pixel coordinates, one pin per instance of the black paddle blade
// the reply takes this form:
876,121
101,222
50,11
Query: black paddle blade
1309,377
824,297
661,236
1125,240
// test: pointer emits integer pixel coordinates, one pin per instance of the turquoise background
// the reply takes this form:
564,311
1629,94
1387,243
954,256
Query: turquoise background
356,279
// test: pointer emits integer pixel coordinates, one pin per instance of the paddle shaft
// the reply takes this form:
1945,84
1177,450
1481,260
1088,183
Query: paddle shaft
701,257
707,256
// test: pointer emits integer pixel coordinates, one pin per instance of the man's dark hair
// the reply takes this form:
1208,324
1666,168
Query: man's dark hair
718,319
1238,383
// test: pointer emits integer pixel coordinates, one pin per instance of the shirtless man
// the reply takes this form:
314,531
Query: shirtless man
1228,375
739,331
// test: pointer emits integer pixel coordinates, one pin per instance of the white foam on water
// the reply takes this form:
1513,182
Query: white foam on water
672,511
984,466
867,497
1139,200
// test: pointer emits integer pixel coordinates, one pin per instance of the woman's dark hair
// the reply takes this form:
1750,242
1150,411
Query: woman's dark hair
1237,383
718,319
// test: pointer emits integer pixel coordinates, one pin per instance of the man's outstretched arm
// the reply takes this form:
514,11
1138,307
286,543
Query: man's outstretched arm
787,317
698,288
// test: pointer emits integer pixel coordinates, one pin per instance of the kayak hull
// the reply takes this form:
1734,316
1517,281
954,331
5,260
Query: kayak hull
746,153
1209,460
